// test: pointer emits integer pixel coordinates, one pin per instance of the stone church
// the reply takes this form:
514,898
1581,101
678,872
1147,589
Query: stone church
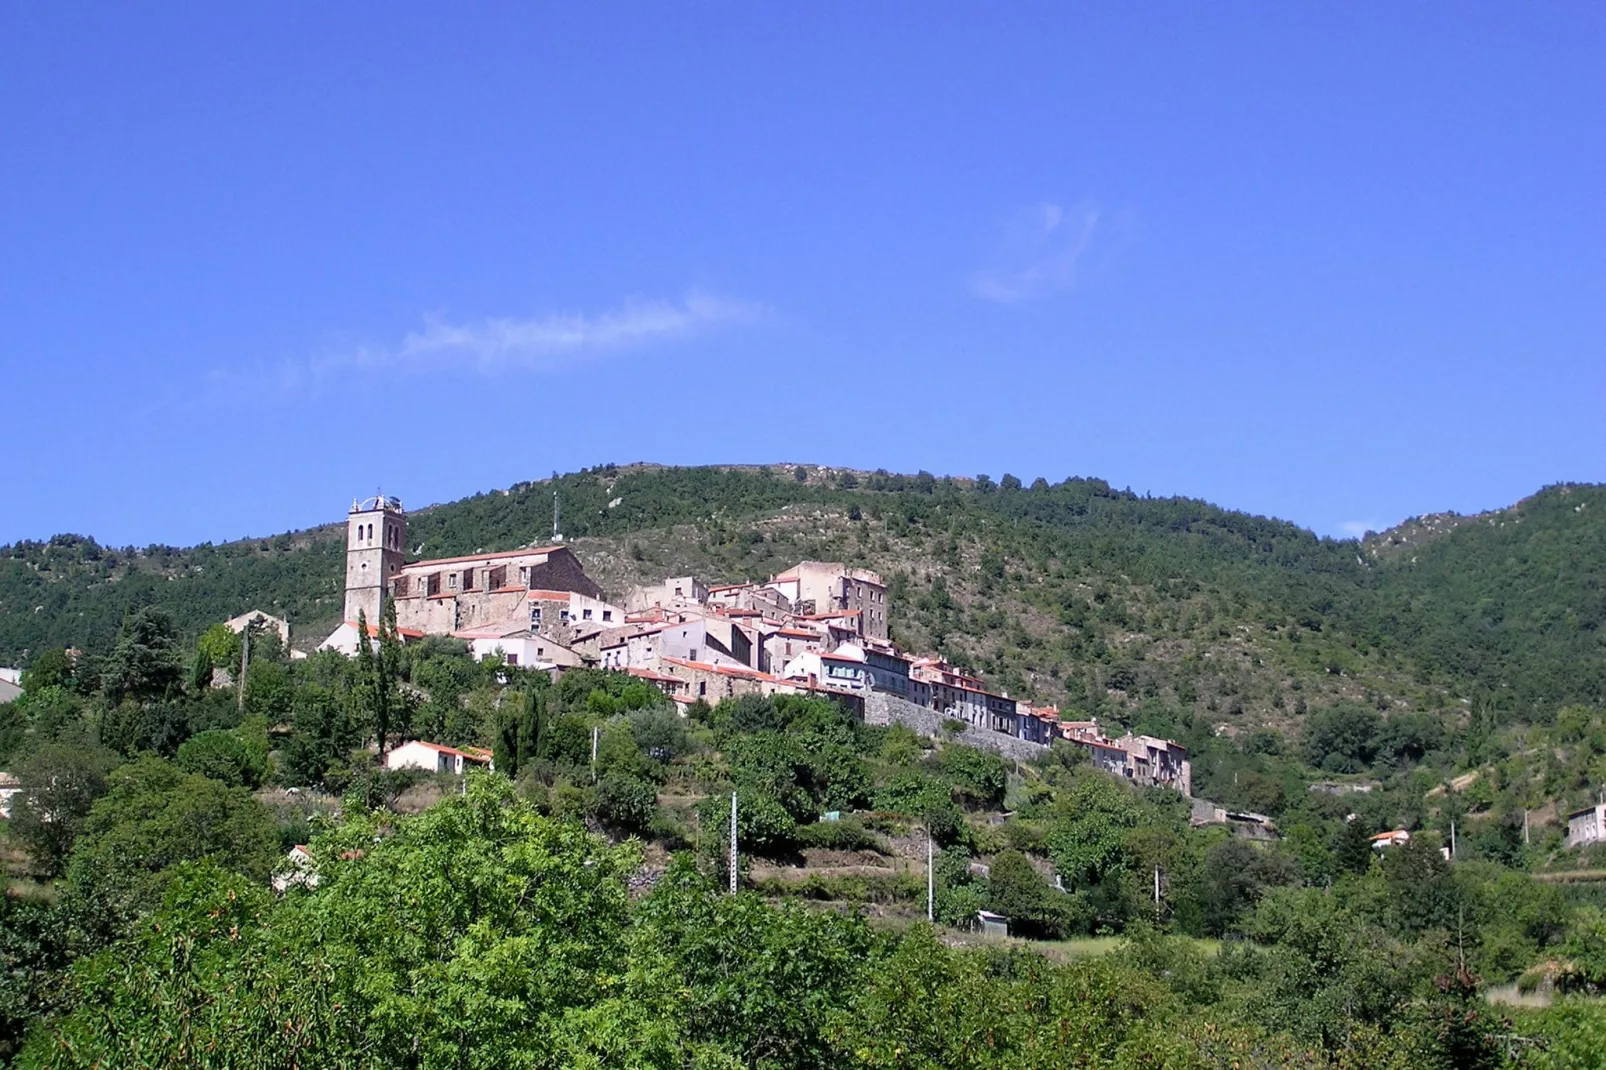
450,594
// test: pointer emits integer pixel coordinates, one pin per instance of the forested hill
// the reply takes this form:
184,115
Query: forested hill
1075,592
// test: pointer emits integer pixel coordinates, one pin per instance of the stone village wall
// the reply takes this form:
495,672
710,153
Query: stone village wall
883,709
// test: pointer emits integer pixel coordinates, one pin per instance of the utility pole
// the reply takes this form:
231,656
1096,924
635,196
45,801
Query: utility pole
596,732
931,879
1157,890
1525,840
557,535
1452,839
733,843
245,663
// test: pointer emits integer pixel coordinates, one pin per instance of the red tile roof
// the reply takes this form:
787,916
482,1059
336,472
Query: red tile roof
476,754
658,677
532,551
405,633
723,670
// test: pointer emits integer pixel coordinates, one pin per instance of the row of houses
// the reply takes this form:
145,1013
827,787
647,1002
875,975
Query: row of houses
819,627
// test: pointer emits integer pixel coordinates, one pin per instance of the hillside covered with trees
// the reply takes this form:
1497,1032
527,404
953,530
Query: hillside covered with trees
1074,592
569,911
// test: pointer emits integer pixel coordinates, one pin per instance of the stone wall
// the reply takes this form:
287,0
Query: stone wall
882,708
562,572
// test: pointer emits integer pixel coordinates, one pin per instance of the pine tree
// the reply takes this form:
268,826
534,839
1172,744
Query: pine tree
1353,853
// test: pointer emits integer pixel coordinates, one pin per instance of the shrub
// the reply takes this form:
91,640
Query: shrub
846,835
626,802
224,756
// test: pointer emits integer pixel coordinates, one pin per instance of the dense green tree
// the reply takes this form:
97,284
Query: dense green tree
324,733
1352,852
979,776
1342,738
35,950
13,729
49,668
378,688
152,817
1232,879
57,786
1034,908
761,983
475,934
518,735
1422,892
146,662
626,801
237,757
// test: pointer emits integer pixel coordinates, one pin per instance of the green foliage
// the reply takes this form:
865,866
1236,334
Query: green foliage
378,690
475,930
926,799
145,664
1087,826
763,825
1342,738
153,817
626,801
847,834
325,731
58,784
35,947
979,776
519,732
1232,879
1019,892
50,668
237,757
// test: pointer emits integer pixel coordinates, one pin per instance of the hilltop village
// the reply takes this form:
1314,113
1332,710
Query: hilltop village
819,627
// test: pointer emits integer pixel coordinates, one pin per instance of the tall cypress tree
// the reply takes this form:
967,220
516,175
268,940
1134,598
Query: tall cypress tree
519,732
379,671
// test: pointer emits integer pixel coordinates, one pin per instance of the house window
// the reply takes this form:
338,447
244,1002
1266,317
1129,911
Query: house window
512,659
535,614
585,614
607,614
702,688
563,616
451,581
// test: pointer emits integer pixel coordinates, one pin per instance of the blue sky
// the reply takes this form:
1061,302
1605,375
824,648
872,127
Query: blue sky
1340,264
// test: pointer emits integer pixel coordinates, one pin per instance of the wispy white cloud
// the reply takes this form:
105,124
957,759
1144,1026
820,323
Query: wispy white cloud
1356,528
496,344
1040,252
542,342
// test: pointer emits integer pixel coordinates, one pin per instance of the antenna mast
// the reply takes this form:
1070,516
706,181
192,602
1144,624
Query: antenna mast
557,535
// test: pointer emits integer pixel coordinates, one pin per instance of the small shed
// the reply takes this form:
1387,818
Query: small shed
992,924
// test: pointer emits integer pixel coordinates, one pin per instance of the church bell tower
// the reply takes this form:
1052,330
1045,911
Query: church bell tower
376,540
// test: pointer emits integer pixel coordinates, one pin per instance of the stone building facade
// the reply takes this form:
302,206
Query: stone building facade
455,594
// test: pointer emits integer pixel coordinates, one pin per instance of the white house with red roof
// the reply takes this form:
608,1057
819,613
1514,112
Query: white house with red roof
435,758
